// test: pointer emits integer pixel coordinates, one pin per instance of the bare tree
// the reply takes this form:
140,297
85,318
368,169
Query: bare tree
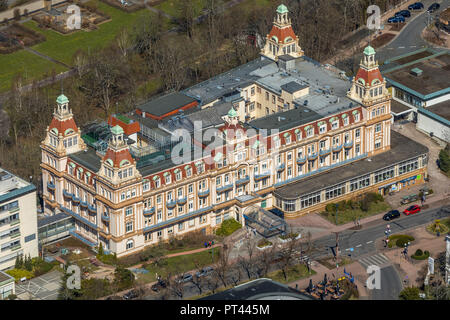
287,256
248,263
221,270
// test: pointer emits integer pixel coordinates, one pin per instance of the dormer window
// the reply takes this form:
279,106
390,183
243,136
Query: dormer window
323,128
309,131
146,186
335,124
298,134
287,138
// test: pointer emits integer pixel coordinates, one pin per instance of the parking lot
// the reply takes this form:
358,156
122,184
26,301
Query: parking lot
44,287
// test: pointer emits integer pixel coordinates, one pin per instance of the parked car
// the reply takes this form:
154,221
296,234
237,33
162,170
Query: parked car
204,272
411,210
393,214
416,6
403,13
158,286
435,6
396,19
185,278
130,295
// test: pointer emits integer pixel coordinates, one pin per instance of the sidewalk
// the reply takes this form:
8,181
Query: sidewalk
355,268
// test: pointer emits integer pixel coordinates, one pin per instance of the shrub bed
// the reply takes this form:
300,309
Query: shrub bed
228,227
419,255
399,240
263,243
20,273
289,236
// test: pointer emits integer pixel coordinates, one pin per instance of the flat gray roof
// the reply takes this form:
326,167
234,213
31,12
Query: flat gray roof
286,120
441,109
88,159
402,149
435,74
292,87
398,107
166,103
5,278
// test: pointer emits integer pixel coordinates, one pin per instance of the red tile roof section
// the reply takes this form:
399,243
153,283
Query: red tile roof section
282,33
62,126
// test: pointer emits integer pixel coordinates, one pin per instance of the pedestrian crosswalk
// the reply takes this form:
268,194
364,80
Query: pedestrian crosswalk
378,260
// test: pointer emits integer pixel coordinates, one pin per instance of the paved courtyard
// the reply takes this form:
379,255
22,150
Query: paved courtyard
44,287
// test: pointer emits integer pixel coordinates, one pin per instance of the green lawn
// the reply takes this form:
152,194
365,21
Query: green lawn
62,47
179,264
350,215
31,65
294,273
172,7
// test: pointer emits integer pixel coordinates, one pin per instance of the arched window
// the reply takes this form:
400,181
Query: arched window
130,244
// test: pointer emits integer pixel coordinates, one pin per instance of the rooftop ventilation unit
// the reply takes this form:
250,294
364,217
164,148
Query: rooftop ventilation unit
416,72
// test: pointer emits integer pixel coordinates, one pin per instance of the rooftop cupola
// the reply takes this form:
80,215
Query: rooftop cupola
282,40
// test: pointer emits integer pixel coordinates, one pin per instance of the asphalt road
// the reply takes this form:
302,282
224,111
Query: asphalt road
410,37
363,243
390,285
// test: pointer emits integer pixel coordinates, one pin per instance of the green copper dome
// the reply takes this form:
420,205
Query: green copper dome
117,130
369,51
62,99
282,9
232,113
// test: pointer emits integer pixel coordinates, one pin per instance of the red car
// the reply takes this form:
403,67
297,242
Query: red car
411,210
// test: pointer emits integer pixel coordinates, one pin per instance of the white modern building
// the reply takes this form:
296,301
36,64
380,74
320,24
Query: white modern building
7,285
420,88
18,219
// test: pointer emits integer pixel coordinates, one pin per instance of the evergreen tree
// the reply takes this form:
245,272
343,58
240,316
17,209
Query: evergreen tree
27,263
100,250
18,263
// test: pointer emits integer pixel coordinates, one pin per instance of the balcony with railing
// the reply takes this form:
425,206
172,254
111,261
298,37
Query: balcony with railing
105,218
262,176
203,194
281,167
227,187
149,211
348,144
242,181
182,201
92,209
67,194
51,186
337,148
301,160
312,156
171,204
84,204
324,152
75,199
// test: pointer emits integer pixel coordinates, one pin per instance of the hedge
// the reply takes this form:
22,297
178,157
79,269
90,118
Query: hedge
421,256
400,240
20,273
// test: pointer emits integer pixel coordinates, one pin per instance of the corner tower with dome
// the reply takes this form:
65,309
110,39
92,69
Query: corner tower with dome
282,39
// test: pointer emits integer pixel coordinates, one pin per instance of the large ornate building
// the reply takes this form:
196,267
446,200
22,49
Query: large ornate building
290,133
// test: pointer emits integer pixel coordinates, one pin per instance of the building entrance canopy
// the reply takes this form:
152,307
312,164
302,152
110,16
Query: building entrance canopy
264,222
